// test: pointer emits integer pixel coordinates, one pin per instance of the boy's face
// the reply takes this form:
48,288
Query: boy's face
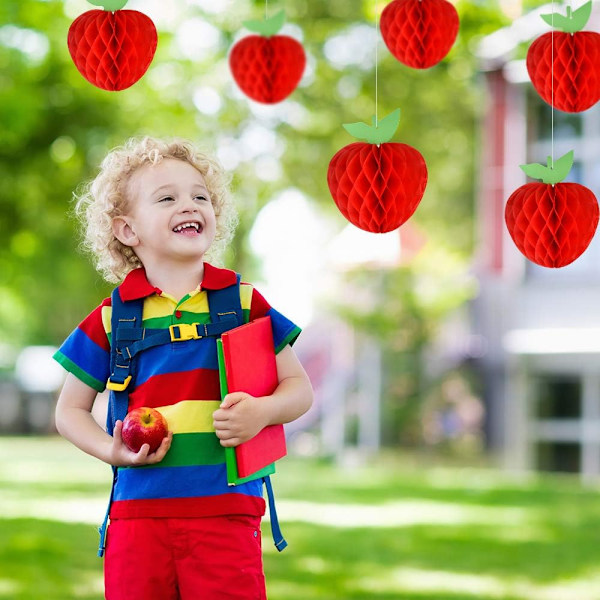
170,216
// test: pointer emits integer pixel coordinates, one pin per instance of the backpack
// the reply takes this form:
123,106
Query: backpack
129,338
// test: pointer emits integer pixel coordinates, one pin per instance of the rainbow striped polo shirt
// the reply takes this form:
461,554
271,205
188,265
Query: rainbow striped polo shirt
181,380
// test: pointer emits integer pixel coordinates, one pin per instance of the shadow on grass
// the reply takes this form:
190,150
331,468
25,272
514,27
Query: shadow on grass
49,560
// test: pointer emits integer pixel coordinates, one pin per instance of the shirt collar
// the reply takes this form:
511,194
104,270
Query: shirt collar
136,284
217,279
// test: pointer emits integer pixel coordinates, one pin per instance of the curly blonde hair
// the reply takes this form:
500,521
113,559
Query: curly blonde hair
99,201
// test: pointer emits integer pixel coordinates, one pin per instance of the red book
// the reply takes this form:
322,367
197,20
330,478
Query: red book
247,364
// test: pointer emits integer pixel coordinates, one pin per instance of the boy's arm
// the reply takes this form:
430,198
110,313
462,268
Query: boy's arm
74,421
242,416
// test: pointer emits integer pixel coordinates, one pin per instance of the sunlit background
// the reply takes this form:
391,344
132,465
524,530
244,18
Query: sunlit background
453,450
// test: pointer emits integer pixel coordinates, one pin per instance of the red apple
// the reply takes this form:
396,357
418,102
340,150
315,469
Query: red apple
144,426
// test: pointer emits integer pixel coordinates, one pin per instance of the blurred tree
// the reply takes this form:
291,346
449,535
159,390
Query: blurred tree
56,128
402,309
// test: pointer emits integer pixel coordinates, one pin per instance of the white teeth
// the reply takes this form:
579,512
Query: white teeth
183,226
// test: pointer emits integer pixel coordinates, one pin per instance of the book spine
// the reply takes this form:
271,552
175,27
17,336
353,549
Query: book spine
230,457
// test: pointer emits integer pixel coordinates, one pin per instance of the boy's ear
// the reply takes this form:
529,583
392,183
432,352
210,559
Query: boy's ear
124,232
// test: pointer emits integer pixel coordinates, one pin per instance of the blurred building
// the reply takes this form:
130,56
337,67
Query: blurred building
28,392
542,326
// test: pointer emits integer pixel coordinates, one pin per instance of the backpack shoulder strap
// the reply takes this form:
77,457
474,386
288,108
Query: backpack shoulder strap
126,325
225,303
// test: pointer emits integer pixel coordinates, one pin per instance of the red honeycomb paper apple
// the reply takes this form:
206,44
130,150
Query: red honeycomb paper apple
552,223
267,67
419,33
377,185
144,426
112,48
564,66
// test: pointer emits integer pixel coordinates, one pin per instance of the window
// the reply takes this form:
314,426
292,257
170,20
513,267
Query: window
563,457
558,400
558,397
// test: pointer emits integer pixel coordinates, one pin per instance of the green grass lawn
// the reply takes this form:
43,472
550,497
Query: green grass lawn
393,530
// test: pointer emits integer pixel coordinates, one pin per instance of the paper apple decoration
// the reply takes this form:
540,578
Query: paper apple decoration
112,48
144,426
419,33
552,223
267,67
566,64
377,185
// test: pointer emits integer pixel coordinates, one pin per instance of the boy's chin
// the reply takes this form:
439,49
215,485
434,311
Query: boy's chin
181,254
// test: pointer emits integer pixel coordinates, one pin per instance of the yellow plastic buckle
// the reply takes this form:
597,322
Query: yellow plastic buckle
118,387
185,332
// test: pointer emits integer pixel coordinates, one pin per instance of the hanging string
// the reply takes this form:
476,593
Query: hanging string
552,91
376,60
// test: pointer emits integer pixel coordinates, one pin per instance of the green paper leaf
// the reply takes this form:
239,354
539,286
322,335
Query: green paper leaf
375,135
535,170
360,131
574,21
267,27
582,15
552,173
110,5
389,124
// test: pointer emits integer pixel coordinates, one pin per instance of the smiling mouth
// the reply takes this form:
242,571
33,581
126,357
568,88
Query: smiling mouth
189,228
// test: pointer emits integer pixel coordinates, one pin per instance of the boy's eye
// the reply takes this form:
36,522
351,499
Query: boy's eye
171,199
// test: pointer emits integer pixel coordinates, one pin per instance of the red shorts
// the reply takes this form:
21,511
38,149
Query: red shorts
208,558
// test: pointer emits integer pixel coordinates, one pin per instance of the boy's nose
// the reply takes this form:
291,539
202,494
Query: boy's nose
189,206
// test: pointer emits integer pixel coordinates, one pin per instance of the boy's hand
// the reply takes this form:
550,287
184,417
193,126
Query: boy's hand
122,456
240,417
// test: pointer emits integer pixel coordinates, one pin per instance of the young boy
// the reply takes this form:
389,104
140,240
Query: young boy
177,531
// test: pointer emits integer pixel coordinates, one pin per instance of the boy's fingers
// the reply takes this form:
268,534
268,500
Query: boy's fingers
142,454
232,399
161,451
220,415
165,444
117,436
230,443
